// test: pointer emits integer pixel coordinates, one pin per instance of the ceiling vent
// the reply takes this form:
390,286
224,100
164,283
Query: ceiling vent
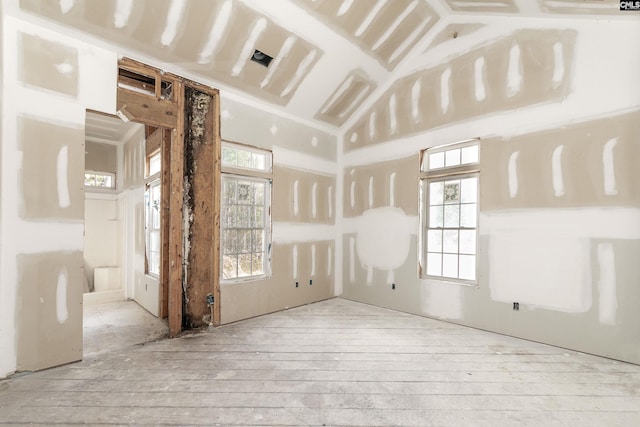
261,58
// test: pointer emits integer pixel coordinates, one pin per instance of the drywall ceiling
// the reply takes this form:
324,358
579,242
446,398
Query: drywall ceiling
108,129
329,56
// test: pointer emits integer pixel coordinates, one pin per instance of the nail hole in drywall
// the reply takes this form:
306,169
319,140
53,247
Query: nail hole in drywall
261,58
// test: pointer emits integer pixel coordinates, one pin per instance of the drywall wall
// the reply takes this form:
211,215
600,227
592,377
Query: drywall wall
41,265
303,212
101,234
101,157
557,114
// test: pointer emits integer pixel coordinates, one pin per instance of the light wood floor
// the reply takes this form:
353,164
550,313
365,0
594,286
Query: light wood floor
332,363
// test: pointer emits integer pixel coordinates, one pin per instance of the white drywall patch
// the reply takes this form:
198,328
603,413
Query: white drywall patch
314,141
122,13
369,275
248,47
66,6
391,277
344,7
558,62
541,268
394,26
330,201
608,166
370,192
416,91
514,73
217,32
556,170
329,260
392,189
354,137
273,129
300,72
370,17
479,70
445,90
384,237
393,118
64,199
62,313
372,125
294,261
294,232
296,205
442,300
284,52
513,174
65,68
352,194
313,260
174,16
314,200
409,40
352,259
608,299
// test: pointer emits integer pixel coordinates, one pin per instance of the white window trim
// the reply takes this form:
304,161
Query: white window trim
153,180
446,173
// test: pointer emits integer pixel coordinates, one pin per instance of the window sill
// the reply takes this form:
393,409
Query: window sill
431,280
244,280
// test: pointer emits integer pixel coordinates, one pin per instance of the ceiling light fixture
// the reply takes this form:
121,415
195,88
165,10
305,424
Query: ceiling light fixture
261,58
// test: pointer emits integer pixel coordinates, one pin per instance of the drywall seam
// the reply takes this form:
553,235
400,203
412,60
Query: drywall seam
339,256
286,232
608,167
513,174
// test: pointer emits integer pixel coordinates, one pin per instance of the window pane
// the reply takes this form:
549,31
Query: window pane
244,159
155,164
436,193
257,240
434,264
229,267
244,241
256,264
450,241
108,182
258,161
469,190
244,265
452,157
154,263
154,241
258,193
452,191
468,267
229,156
229,216
470,154
434,240
229,192
468,242
258,217
450,265
229,242
468,215
243,219
245,192
452,216
436,216
436,160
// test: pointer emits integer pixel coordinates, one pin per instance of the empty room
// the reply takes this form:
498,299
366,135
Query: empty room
320,212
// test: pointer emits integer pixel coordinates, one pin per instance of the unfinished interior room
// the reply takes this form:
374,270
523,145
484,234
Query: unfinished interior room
320,212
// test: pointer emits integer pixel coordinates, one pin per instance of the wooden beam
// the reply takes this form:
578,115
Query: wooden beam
165,222
176,200
146,109
217,196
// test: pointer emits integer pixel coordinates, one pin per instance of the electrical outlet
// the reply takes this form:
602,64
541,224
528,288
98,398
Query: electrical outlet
393,286
516,306
297,284
310,282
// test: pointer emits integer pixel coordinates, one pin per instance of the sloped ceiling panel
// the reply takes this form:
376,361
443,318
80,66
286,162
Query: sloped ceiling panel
346,98
213,39
386,29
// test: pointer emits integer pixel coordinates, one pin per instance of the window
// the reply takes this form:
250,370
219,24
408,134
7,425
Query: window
449,212
102,180
152,212
246,213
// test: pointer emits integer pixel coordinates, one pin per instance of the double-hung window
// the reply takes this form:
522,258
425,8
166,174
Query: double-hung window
449,212
152,211
246,213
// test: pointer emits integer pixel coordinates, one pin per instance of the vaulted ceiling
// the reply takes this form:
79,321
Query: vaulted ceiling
329,56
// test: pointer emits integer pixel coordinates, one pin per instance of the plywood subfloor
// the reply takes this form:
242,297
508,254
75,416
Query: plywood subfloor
332,363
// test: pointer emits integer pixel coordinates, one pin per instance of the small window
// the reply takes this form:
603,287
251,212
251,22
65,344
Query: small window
102,180
449,212
155,164
152,224
246,213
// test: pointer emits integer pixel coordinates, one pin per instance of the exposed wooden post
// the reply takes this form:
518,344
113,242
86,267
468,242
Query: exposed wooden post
164,221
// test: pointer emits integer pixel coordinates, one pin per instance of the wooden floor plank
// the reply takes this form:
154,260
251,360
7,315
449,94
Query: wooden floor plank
349,364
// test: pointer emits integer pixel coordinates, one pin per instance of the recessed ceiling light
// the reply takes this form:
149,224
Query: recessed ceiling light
261,58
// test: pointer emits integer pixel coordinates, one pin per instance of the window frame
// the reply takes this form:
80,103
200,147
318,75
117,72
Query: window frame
442,174
150,181
112,175
238,173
